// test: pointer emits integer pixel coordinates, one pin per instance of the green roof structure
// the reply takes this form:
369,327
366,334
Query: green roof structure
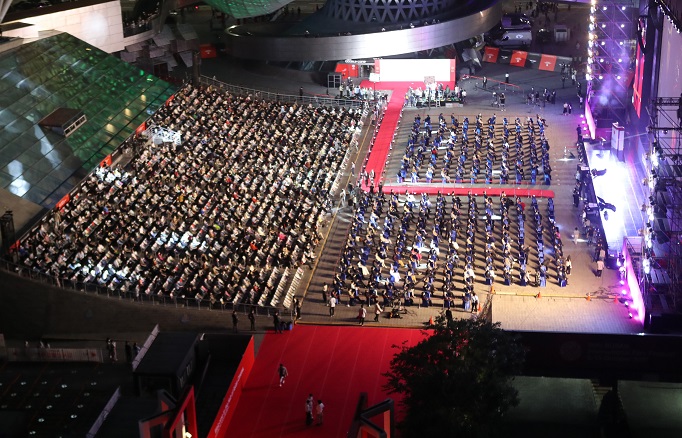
64,72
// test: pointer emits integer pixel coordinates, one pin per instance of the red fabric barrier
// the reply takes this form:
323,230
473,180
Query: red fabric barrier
231,399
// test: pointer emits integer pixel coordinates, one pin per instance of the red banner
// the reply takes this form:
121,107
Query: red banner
140,129
547,62
491,54
208,51
347,70
377,66
453,70
106,161
518,58
62,202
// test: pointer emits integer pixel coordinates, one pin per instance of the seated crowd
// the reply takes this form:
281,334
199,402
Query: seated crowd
445,153
406,250
221,216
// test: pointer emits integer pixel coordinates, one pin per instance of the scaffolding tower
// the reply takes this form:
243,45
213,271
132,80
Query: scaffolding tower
662,269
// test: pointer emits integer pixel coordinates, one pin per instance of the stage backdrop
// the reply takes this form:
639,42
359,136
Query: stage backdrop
415,70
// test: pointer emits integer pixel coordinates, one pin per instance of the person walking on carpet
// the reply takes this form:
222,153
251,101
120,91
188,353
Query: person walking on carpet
283,373
320,412
309,410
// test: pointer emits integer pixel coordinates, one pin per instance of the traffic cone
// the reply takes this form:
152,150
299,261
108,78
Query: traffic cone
539,295
589,297
431,322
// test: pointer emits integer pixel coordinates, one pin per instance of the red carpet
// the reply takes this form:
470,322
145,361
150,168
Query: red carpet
433,189
382,143
335,364
377,157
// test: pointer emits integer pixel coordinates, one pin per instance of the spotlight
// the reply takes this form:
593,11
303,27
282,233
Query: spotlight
624,292
627,304
630,315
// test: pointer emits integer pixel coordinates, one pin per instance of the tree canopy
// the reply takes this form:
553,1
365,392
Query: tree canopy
458,381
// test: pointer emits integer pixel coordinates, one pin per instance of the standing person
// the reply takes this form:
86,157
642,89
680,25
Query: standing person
506,78
252,319
343,198
283,374
565,108
129,352
485,82
235,321
276,322
569,265
332,305
362,314
474,302
576,235
563,81
320,412
325,288
297,309
309,410
377,311
600,267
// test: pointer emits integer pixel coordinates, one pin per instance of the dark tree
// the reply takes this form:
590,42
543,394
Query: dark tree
458,381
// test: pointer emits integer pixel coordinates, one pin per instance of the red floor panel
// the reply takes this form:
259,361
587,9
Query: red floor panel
335,364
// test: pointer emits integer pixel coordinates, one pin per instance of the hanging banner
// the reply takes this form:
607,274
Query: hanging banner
491,54
547,62
62,202
518,58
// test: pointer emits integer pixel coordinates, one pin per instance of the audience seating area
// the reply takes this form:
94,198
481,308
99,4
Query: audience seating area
409,249
444,154
226,215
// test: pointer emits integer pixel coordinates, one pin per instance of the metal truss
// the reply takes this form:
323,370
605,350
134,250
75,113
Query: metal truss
614,26
665,187
387,11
